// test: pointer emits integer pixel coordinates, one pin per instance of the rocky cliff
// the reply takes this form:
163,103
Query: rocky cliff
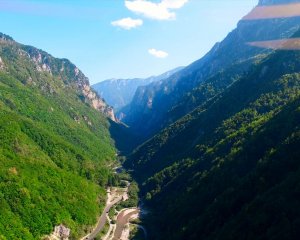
46,65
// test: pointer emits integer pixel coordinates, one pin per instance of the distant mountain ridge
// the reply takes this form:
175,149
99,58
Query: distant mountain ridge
226,163
231,165
119,92
161,103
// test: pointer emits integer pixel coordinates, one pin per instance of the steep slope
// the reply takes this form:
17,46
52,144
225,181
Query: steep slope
229,169
119,92
161,103
55,146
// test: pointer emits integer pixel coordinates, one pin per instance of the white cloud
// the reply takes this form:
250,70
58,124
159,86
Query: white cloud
158,53
159,11
127,23
175,4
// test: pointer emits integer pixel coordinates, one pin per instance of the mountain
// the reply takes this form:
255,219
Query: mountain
55,145
161,103
218,141
224,161
119,92
230,168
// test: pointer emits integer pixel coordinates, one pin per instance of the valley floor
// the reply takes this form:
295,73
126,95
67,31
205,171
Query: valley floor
119,225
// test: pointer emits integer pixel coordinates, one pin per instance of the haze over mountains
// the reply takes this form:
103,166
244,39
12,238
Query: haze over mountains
162,103
214,146
119,92
221,140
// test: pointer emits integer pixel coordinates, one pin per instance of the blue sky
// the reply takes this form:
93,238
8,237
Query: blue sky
163,34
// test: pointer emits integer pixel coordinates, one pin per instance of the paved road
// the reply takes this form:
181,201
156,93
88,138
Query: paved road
122,220
102,220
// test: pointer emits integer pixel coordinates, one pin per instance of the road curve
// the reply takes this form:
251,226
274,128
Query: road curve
102,220
122,220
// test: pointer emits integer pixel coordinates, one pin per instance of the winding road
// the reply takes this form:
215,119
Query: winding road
102,220
122,219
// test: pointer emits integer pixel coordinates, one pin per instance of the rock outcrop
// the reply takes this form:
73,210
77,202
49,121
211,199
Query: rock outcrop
1,64
45,64
97,102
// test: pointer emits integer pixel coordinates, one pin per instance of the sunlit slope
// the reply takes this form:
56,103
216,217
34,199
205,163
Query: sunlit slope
160,104
55,148
230,169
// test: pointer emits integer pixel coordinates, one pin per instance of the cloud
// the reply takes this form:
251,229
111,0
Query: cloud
158,53
127,23
158,11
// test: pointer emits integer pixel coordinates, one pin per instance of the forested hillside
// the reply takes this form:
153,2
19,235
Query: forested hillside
210,151
55,146
160,104
230,169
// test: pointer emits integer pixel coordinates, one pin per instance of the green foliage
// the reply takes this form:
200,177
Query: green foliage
133,197
205,78
136,233
119,179
229,169
112,212
55,150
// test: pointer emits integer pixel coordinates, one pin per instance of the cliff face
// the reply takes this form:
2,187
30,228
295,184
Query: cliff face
43,64
97,102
